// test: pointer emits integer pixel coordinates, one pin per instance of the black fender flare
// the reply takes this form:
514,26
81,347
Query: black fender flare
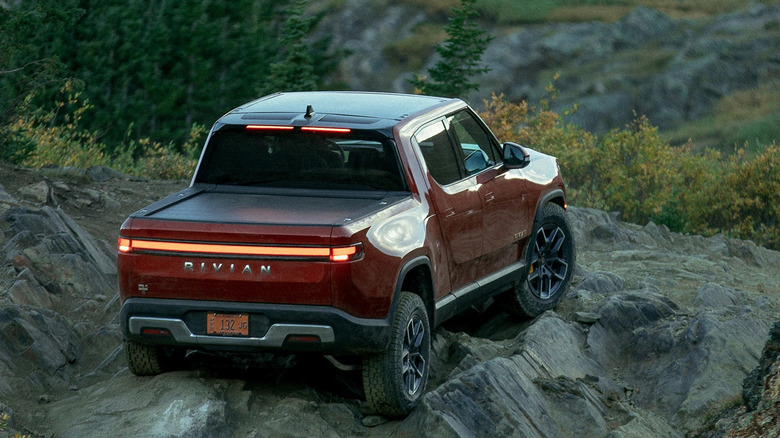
422,260
551,196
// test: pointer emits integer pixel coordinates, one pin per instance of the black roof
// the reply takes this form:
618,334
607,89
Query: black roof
352,109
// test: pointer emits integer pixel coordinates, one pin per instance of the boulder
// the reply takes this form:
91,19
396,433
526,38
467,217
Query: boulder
174,404
715,295
756,388
38,348
602,282
39,192
680,367
551,387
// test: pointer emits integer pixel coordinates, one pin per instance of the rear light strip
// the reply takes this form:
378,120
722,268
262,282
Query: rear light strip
338,254
317,129
269,127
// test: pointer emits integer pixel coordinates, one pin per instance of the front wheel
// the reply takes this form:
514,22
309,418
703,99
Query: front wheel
550,259
394,380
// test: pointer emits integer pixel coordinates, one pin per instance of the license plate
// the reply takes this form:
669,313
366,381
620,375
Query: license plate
227,324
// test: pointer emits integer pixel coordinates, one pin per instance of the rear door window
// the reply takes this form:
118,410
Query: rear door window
440,158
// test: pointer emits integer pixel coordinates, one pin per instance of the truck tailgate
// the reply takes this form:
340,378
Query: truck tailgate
234,247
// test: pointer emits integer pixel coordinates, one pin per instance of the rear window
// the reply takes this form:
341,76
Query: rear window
352,161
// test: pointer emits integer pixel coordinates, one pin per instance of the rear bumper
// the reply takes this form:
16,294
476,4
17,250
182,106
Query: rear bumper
271,326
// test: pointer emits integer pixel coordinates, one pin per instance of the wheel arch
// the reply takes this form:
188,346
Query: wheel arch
416,277
556,196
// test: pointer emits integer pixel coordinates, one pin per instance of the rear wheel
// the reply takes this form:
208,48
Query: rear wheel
150,360
550,259
394,380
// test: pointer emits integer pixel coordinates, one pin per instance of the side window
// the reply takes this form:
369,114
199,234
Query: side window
438,153
479,152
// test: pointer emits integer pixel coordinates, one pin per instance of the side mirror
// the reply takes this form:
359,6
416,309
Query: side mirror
515,157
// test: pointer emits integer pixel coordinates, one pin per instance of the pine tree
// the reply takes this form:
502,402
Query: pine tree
294,70
461,54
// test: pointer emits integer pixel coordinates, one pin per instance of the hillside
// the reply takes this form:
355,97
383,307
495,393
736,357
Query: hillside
654,338
696,69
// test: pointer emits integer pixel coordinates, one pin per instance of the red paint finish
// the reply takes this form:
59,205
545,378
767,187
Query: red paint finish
314,245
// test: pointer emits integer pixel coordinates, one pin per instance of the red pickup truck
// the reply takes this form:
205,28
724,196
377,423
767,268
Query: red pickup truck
344,223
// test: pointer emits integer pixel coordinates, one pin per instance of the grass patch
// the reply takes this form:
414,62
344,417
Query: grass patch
756,134
508,12
582,13
748,118
433,8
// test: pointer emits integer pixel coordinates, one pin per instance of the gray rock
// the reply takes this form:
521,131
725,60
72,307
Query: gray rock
38,192
549,388
28,293
715,295
373,421
753,254
36,346
601,282
586,317
609,232
173,404
680,367
754,385
621,314
6,200
641,25
103,173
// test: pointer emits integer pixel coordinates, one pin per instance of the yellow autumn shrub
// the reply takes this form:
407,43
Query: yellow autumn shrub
634,171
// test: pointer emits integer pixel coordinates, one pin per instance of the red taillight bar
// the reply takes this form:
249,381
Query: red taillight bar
346,253
326,130
270,127
316,129
341,254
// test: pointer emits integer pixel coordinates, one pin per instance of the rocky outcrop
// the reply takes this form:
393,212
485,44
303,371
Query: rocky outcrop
171,405
760,414
669,70
656,335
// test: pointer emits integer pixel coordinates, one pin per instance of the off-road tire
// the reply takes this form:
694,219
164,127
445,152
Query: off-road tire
550,260
395,379
150,360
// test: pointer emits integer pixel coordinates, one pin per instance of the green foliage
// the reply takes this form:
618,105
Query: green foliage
294,69
758,132
634,171
460,53
153,68
68,143
27,62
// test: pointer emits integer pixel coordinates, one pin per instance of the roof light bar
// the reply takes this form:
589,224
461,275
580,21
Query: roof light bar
326,130
269,128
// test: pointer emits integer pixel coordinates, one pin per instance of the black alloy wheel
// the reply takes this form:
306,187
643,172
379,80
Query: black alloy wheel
550,257
547,273
413,359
